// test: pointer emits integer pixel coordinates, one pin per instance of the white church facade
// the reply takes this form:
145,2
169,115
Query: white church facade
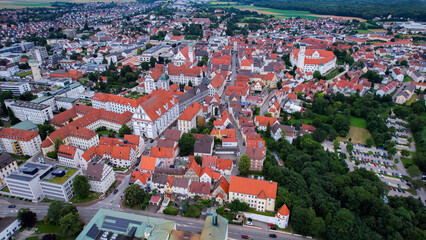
311,60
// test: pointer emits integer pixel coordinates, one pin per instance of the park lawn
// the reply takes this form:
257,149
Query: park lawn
357,134
363,31
92,196
305,121
406,161
412,99
24,74
32,238
266,213
358,122
47,228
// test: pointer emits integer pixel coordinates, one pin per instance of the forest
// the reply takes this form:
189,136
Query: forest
367,9
325,199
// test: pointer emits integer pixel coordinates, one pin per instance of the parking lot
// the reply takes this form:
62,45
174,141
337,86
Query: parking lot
377,160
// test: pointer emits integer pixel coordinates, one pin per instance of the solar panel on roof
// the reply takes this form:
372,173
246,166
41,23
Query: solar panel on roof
93,232
132,232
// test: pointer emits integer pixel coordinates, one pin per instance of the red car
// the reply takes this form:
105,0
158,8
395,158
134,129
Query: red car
390,188
271,224
244,236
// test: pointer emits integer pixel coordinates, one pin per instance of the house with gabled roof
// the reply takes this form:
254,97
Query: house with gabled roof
258,194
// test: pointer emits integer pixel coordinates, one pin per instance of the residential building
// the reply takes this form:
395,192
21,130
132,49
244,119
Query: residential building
120,225
8,227
8,165
184,74
118,156
17,88
152,114
283,131
20,142
69,155
201,189
36,113
262,122
311,60
195,94
57,182
203,144
100,176
188,119
258,194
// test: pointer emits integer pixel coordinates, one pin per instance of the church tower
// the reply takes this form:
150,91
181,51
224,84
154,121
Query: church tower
191,53
301,56
35,70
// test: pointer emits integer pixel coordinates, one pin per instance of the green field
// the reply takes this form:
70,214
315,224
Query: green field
277,13
358,122
45,3
363,31
357,134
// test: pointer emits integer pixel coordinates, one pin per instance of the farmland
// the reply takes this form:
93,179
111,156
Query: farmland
277,13
45,3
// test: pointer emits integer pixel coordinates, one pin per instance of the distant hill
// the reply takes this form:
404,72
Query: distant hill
367,9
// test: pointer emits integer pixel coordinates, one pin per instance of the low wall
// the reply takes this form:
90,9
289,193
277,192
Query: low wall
260,218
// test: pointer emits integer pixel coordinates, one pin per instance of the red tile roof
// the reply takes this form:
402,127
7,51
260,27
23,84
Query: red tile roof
254,187
17,134
190,112
147,163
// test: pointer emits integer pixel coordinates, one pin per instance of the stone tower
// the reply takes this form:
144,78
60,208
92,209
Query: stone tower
35,70
301,56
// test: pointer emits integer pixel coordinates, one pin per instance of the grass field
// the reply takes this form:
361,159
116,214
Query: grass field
357,134
92,196
45,3
363,31
412,100
358,122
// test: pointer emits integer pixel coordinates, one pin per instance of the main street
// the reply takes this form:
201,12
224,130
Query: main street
182,223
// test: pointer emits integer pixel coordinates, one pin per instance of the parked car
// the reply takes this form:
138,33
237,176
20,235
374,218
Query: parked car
272,235
115,191
273,228
11,206
244,237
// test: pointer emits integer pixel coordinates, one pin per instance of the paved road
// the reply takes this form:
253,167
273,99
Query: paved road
265,105
183,223
234,68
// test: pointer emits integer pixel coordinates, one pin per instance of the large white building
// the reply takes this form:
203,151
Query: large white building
311,60
152,114
36,113
9,226
20,142
17,88
258,194
100,176
36,181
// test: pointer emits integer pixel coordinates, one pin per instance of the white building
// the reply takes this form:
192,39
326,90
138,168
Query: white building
152,114
9,70
100,176
311,60
36,113
56,183
9,226
65,102
20,142
8,165
282,217
17,88
69,155
188,119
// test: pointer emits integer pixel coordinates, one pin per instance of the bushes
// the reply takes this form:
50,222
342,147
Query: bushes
171,211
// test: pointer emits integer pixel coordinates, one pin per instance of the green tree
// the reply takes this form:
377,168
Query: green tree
336,144
124,130
71,224
317,75
139,51
27,96
27,217
133,195
58,209
145,66
413,171
186,144
198,160
405,153
244,164
13,120
58,143
349,147
236,206
369,142
81,186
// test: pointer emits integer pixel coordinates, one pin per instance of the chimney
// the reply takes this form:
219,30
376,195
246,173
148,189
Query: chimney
270,181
